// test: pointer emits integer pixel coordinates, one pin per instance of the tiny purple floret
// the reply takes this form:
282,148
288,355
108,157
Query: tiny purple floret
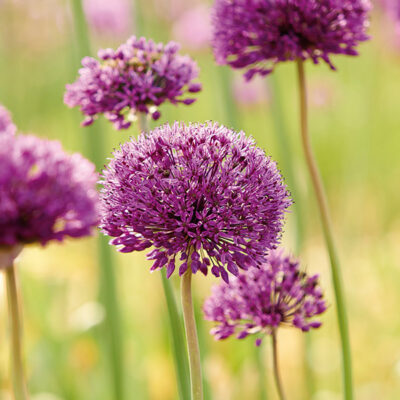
200,194
260,300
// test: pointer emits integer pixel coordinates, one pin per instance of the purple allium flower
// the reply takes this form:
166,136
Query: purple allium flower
6,124
200,194
193,28
136,78
262,299
45,194
257,34
109,17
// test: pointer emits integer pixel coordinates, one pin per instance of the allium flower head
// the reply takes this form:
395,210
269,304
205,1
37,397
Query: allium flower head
136,78
199,194
45,194
260,300
257,34
6,124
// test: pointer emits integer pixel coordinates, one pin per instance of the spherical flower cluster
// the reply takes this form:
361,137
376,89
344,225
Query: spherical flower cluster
6,124
202,195
136,78
260,300
258,34
45,194
109,17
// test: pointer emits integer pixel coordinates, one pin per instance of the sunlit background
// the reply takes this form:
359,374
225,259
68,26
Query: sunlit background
355,125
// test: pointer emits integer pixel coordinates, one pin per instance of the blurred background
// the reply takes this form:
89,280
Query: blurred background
355,124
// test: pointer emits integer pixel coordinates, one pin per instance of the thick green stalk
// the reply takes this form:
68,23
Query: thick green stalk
96,150
191,336
175,320
328,234
203,337
178,340
262,373
18,376
278,380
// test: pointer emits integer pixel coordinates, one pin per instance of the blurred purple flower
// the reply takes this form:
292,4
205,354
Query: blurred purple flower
6,124
136,78
193,28
173,9
199,194
258,34
391,9
109,17
262,299
249,93
45,194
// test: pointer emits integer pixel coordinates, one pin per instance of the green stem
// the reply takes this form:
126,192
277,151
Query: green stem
109,297
191,335
231,111
18,376
328,233
81,29
178,340
278,381
175,321
95,148
262,374
143,122
286,156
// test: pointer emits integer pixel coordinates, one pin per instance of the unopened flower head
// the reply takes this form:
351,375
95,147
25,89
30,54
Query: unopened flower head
136,78
202,195
261,300
6,124
45,194
258,34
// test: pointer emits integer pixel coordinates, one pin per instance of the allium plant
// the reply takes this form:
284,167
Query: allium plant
260,301
258,34
197,193
6,124
127,85
202,196
45,195
255,35
136,78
